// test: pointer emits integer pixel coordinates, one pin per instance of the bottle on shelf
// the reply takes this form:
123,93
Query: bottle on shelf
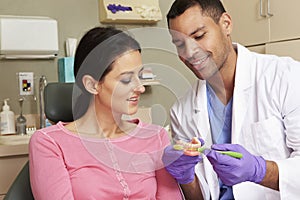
7,119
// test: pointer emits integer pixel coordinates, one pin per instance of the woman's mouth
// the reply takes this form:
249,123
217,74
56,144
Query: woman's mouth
133,100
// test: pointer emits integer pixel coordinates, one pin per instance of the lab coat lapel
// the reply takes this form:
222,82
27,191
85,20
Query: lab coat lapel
241,90
203,126
201,114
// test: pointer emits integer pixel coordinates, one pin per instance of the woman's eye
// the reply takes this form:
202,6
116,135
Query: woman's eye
126,81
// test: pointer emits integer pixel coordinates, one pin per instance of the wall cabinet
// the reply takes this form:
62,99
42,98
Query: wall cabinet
289,48
261,21
266,26
285,48
12,159
258,48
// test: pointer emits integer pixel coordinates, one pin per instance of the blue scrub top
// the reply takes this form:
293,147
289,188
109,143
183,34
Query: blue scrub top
220,117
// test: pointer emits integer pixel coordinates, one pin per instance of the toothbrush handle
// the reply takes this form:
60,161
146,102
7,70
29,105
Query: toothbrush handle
231,153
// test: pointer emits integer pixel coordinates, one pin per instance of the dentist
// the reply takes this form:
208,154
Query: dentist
242,101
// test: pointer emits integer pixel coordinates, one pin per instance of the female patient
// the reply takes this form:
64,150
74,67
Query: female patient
99,155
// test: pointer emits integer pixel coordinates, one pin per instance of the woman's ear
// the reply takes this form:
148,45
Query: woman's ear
226,23
90,84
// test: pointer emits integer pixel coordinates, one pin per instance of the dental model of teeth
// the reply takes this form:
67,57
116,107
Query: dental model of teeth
188,148
194,148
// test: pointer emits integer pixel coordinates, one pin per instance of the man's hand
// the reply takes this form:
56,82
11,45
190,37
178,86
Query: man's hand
232,170
179,165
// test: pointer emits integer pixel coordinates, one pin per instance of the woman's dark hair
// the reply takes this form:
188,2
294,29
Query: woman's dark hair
95,54
211,8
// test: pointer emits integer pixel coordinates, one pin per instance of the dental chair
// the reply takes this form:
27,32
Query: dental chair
20,188
58,107
58,102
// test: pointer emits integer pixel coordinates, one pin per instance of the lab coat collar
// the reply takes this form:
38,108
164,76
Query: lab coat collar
242,87
243,70
199,89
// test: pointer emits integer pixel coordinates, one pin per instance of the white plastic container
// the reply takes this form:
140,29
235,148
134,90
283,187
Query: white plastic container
7,119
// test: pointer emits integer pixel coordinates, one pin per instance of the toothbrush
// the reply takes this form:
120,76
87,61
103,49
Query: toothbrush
233,154
201,150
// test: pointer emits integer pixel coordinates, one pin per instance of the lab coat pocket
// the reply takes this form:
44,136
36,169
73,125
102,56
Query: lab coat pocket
269,137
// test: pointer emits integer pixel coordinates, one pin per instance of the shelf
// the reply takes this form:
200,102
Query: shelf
14,139
13,150
137,11
149,82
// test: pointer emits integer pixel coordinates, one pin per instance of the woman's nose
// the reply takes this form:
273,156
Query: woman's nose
139,87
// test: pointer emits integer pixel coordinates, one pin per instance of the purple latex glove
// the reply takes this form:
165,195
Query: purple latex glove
180,166
231,170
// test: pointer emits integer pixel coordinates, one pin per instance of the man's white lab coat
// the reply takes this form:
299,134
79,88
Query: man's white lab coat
265,120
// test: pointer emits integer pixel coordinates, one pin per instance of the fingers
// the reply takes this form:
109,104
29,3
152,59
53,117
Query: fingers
227,147
222,147
201,141
186,160
191,159
170,155
216,158
169,150
212,156
178,157
206,151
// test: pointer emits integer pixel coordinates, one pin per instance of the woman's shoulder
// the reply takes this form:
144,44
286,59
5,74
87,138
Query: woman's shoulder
52,132
50,129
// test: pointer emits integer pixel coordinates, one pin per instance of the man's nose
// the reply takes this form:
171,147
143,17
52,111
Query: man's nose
191,47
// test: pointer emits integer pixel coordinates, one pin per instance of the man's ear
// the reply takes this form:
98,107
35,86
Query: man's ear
226,23
90,84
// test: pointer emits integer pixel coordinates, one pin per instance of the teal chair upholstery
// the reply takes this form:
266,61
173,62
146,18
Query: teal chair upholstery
20,188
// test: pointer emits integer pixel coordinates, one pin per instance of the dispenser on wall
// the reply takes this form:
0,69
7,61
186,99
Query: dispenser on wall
28,37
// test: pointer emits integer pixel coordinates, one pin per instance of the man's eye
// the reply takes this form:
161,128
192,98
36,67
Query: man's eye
199,37
179,45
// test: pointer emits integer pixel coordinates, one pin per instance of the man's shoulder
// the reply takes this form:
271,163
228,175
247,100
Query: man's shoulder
265,57
278,63
187,99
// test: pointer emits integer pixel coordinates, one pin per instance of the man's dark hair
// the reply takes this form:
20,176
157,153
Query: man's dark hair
210,8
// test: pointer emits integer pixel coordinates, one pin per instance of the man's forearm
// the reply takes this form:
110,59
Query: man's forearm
192,190
271,179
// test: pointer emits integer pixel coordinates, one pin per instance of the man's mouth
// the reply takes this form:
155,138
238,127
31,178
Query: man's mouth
200,63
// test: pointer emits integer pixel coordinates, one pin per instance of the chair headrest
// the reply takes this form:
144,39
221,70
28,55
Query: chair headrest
58,102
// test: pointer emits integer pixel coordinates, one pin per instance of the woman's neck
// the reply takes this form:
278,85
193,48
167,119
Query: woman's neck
100,125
